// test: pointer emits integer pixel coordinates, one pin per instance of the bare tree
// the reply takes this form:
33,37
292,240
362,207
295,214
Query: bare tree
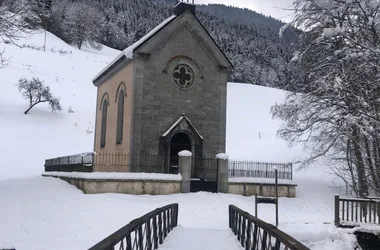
12,26
335,106
36,92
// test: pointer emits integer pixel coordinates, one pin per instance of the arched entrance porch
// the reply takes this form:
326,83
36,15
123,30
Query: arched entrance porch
182,135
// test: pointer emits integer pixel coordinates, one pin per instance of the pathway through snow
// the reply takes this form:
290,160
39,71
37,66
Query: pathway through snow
194,238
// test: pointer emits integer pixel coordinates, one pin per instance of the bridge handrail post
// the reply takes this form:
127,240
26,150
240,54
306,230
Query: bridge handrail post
336,209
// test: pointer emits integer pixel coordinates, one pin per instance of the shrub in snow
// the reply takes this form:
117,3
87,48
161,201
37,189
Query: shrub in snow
70,110
36,92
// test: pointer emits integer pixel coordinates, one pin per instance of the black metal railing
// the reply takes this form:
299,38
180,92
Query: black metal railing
204,175
238,168
202,168
71,163
350,212
256,234
106,161
146,232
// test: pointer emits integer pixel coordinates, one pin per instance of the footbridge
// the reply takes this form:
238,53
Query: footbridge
159,229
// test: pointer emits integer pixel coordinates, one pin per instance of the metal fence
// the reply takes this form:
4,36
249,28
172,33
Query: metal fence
256,234
202,168
350,212
106,162
71,163
146,232
238,168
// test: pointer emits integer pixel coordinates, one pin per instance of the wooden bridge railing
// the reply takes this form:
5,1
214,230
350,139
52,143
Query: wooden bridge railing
350,212
146,232
256,234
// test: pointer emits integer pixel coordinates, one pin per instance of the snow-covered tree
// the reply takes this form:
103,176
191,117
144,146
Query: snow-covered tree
12,26
36,92
335,108
83,23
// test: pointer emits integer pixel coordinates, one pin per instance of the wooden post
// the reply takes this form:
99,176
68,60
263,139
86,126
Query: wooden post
336,207
276,180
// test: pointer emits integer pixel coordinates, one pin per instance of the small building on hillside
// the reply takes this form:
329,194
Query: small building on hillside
165,93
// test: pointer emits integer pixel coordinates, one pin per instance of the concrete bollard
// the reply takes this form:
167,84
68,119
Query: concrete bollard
185,170
222,172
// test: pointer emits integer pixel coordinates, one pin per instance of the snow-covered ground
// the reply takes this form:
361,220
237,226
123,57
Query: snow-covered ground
190,238
46,213
27,140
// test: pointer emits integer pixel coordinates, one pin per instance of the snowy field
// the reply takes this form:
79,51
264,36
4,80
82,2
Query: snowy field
46,213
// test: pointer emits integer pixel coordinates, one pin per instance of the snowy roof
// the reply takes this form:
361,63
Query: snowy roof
183,3
177,122
128,52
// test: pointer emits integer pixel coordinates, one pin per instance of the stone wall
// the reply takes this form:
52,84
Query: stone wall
267,190
163,103
136,187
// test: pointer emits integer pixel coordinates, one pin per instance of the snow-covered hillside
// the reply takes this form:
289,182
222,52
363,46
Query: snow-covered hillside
29,139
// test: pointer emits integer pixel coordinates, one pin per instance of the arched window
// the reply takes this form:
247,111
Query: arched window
120,117
103,129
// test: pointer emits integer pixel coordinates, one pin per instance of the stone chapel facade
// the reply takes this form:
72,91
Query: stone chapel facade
164,94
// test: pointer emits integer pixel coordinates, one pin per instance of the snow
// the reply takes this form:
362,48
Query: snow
251,131
30,139
39,208
190,239
116,176
185,153
282,29
222,156
6,247
47,213
128,52
330,32
325,4
259,180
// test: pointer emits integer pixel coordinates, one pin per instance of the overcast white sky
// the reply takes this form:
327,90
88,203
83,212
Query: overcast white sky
267,7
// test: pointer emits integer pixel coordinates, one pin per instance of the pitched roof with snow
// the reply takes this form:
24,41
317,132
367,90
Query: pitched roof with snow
183,117
128,52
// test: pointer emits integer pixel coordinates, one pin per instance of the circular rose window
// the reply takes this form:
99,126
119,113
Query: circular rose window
183,76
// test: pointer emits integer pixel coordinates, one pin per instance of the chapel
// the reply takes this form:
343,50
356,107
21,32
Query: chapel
165,93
